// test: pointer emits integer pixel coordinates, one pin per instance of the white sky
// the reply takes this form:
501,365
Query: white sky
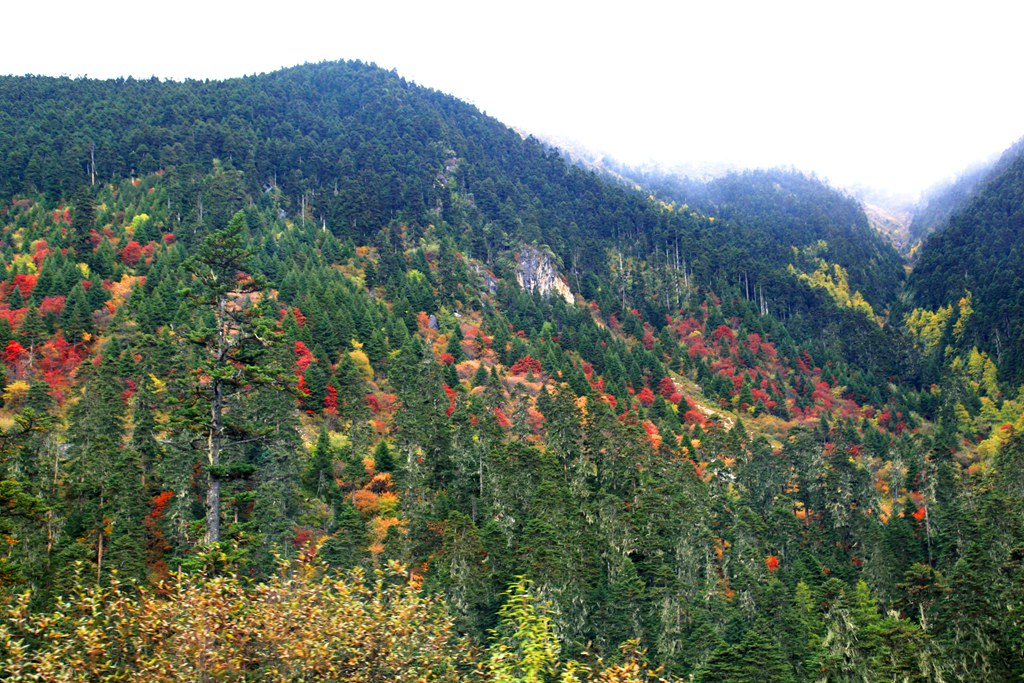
893,93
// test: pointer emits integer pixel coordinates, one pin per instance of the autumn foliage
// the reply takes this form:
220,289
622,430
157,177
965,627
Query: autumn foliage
131,253
524,365
502,419
450,394
303,357
25,283
303,624
593,447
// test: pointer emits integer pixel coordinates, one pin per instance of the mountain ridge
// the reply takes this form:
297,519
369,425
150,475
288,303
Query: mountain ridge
737,423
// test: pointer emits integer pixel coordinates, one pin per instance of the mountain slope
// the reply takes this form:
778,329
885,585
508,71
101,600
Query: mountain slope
980,249
306,325
790,209
347,143
939,206
892,223
355,147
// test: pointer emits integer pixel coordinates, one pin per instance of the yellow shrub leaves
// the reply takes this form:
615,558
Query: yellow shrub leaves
302,625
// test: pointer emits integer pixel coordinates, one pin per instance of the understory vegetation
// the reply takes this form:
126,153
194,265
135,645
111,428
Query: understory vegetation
276,407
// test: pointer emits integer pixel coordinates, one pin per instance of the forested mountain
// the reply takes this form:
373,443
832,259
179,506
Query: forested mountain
777,209
785,209
936,209
322,375
979,251
356,147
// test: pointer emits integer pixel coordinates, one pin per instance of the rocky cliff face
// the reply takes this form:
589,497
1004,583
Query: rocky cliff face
536,272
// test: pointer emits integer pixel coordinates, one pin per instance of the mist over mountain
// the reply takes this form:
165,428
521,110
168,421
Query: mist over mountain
939,203
974,249
781,208
904,218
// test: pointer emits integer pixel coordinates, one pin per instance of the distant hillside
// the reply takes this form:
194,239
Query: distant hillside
321,375
892,223
784,208
775,210
936,209
354,147
980,249
346,144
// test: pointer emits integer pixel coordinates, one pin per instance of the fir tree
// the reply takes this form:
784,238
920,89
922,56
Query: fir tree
347,545
230,340
382,458
105,497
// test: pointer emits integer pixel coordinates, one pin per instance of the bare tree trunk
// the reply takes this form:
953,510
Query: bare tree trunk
49,513
214,438
99,551
213,488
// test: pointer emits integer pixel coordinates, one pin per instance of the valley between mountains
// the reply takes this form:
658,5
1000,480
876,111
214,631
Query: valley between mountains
323,375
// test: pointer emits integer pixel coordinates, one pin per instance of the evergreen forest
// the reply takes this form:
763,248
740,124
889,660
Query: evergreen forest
321,375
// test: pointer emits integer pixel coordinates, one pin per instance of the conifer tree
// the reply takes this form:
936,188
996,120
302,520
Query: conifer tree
382,458
754,659
347,545
83,219
106,501
319,476
77,317
229,341
455,344
266,473
23,508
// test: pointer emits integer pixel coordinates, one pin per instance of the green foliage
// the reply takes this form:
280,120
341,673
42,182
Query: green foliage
749,483
19,507
525,647
755,658
977,250
229,354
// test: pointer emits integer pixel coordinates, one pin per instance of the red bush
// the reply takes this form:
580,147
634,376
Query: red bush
131,253
13,352
502,419
723,331
450,393
331,399
25,283
524,365
303,357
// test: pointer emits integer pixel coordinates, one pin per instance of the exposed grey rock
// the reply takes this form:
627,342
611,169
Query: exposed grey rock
489,282
536,272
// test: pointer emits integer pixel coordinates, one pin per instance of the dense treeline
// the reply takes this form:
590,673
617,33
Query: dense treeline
938,205
777,209
721,458
354,147
979,250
